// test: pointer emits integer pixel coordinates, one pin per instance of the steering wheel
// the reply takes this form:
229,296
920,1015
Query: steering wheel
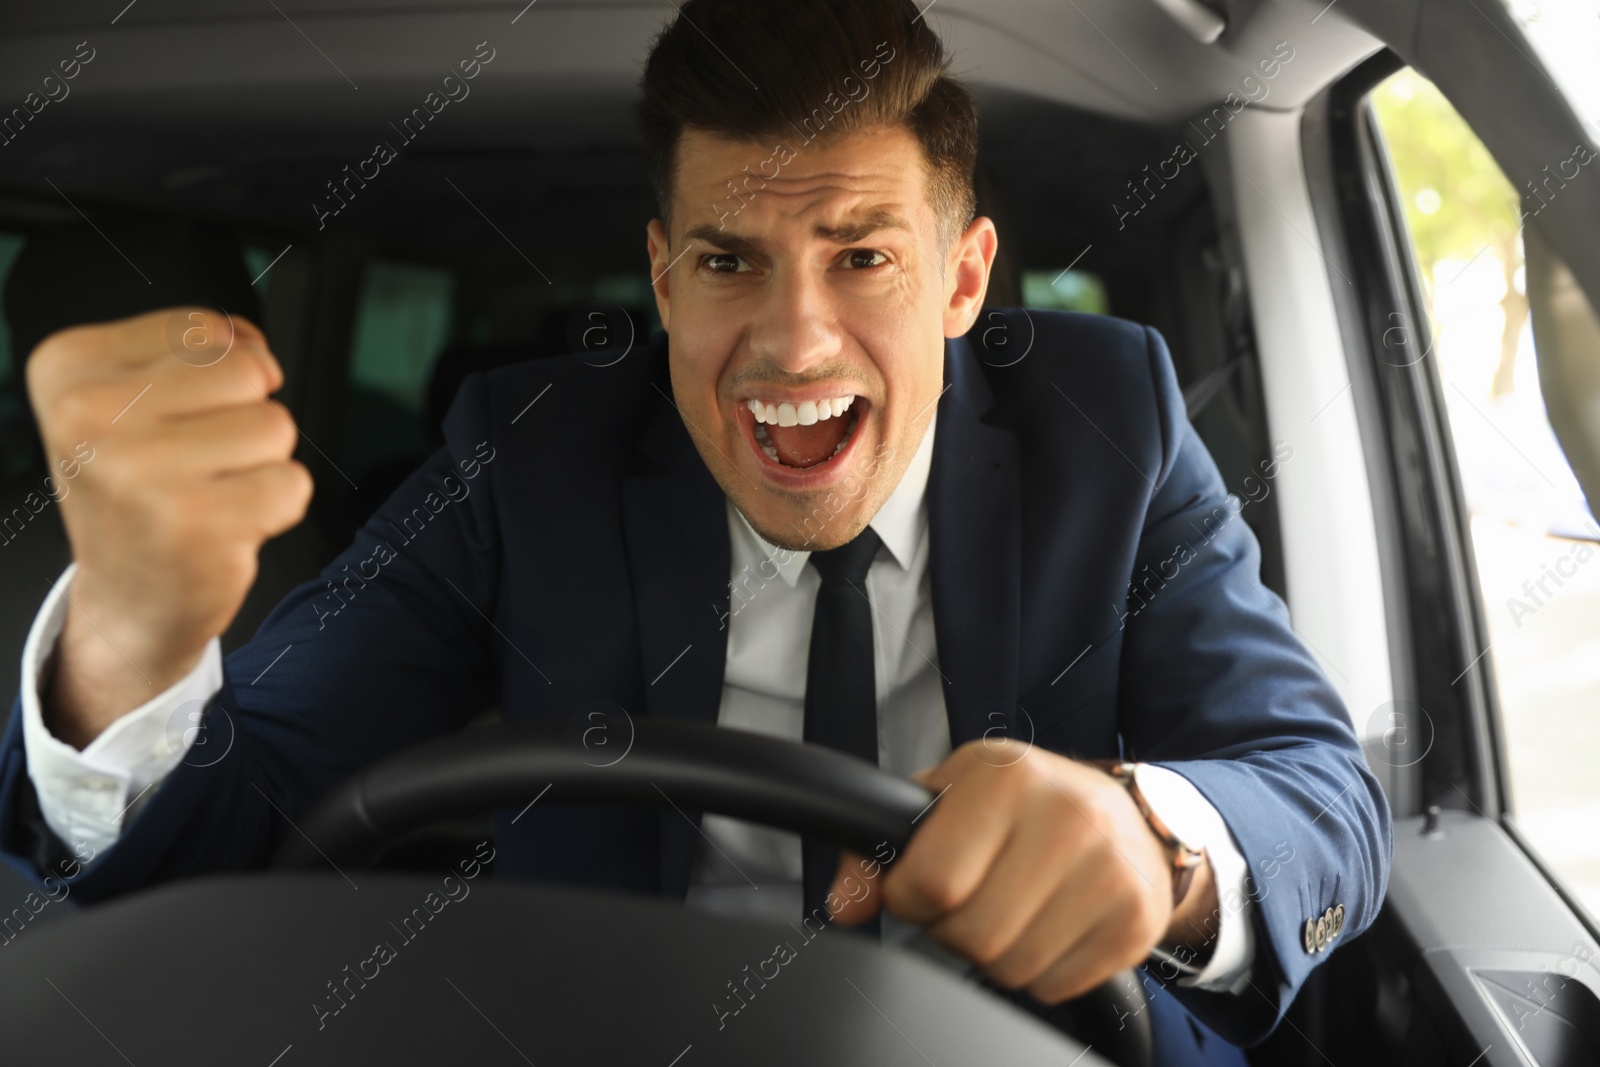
808,789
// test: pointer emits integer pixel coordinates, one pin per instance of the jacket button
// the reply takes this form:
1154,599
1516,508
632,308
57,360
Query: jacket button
1311,937
1322,933
1338,920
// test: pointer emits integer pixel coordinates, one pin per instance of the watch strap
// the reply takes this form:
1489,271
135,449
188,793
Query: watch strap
1182,857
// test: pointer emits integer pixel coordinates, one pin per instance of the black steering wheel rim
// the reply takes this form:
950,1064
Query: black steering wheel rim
604,757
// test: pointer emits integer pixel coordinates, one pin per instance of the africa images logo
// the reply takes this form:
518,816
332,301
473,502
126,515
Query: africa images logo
1254,91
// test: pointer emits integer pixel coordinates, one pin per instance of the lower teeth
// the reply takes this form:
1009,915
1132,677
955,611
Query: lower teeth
766,443
772,452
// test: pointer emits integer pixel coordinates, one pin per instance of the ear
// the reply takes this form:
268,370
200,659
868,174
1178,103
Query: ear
656,245
967,269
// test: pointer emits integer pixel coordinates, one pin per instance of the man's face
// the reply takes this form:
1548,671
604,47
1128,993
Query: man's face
822,297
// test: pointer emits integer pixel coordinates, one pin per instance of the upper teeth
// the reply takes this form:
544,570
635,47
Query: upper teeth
802,414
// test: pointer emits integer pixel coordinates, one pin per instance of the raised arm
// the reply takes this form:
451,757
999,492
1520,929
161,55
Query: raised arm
388,647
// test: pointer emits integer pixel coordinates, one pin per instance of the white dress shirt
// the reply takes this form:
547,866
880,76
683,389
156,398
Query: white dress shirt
87,797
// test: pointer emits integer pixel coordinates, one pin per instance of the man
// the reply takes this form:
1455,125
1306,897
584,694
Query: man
810,507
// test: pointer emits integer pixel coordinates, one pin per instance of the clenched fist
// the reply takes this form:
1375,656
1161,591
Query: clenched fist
192,473
1039,869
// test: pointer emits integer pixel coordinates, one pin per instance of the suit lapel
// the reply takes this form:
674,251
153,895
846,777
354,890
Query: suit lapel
676,531
975,547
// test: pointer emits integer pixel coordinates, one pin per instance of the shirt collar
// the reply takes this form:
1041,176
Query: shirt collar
899,523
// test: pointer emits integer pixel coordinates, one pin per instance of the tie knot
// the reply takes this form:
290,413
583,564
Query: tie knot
850,561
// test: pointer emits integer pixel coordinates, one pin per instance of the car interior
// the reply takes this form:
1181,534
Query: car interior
205,153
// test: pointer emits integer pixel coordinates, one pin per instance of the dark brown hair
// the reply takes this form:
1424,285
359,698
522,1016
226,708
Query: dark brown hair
795,71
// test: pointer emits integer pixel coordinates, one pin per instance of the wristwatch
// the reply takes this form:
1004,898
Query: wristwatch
1182,855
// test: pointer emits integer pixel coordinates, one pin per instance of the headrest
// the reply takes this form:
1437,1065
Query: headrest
71,275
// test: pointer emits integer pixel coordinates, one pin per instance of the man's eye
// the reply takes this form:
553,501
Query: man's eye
865,258
722,263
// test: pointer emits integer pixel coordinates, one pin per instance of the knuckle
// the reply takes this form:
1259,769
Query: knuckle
988,948
1035,771
280,429
1151,932
908,895
1047,990
1142,924
285,501
1004,972
62,347
900,897
1135,951
264,369
43,368
84,406
246,330
940,893
69,409
970,750
1099,814
301,484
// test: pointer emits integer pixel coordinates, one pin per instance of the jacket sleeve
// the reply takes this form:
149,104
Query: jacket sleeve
391,645
1228,695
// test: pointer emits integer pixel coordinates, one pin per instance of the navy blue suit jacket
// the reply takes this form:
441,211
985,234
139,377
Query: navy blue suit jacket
564,555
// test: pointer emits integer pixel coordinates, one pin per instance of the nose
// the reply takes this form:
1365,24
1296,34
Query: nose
796,327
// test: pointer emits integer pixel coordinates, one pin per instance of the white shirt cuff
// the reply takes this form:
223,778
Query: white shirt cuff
1190,815
86,796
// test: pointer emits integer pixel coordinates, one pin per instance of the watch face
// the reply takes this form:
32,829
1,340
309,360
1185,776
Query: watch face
1172,798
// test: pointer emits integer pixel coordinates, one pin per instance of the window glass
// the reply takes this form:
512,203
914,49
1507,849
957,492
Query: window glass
1536,545
402,324
256,260
1065,290
1566,35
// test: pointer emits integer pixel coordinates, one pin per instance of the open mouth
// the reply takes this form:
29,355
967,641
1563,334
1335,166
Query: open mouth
805,436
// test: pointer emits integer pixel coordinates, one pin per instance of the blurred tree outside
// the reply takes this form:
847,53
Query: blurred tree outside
1458,204
1528,515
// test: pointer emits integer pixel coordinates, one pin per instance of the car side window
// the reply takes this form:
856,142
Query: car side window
1066,290
403,323
1535,543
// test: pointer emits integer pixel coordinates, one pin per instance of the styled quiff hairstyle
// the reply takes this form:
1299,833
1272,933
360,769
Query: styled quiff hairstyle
796,71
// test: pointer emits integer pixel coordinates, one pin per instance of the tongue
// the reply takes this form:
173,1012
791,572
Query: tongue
806,446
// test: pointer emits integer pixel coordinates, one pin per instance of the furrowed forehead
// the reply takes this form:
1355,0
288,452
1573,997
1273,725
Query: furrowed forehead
719,177
850,231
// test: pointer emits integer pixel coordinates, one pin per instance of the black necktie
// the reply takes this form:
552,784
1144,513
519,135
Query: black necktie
841,687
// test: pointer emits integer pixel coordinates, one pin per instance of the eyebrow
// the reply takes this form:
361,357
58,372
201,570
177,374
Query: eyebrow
847,234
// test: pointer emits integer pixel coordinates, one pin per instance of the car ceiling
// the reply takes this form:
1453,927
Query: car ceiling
242,110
